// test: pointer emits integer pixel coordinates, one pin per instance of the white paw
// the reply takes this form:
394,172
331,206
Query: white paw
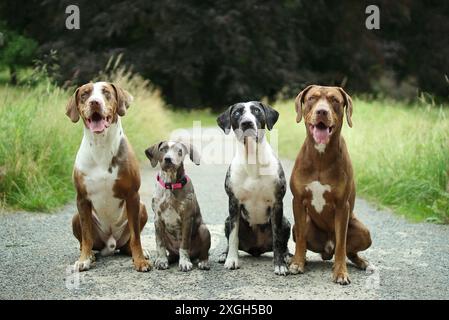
341,277
161,263
231,263
222,257
296,268
84,265
185,265
281,270
370,269
204,265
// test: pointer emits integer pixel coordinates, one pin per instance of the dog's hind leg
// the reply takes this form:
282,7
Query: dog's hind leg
358,239
204,236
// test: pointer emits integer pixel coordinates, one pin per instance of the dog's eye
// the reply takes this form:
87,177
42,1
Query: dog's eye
256,111
311,98
180,153
84,96
236,114
334,100
107,95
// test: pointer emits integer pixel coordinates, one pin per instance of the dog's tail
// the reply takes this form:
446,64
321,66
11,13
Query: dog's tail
109,249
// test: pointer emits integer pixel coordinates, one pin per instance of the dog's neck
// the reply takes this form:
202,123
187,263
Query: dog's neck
172,175
254,155
104,146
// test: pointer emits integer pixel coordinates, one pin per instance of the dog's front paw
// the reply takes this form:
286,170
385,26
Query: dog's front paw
185,265
341,277
281,270
231,263
84,264
296,268
222,257
161,263
142,265
204,265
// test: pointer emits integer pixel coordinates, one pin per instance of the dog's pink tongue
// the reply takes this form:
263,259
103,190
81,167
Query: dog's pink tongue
97,126
321,136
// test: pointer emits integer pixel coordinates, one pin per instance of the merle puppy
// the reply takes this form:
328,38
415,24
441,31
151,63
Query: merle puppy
255,184
180,229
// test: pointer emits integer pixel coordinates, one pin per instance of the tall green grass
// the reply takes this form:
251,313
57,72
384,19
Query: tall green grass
400,154
38,143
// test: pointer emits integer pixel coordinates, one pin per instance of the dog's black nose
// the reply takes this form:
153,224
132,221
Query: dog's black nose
247,125
167,160
321,112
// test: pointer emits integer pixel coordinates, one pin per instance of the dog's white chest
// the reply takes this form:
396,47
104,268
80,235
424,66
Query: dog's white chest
257,195
318,190
108,211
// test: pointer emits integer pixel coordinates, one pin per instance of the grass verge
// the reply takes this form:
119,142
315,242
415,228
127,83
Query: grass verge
400,154
39,143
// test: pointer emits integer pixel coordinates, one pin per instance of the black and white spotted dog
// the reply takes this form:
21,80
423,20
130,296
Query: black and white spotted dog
255,184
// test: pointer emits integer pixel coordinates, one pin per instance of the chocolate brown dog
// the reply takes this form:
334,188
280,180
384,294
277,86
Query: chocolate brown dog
323,186
179,226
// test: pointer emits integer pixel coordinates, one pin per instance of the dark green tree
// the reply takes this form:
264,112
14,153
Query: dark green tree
16,51
214,52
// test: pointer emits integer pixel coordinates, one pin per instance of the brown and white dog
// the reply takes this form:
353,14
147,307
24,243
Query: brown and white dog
107,178
323,186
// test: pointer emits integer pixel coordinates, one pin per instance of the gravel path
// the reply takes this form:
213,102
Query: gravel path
37,250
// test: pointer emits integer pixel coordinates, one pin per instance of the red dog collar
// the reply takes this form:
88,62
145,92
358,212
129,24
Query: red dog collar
173,186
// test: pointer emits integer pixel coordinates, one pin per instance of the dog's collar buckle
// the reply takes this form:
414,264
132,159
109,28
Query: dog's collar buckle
173,186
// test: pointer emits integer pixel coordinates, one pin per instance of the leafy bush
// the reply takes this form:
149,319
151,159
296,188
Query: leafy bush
17,51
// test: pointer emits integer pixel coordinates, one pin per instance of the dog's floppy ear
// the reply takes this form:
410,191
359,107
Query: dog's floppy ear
299,101
124,99
194,155
72,107
348,105
224,120
153,153
271,115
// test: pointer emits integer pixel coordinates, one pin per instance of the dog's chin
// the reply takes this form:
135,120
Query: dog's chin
169,167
